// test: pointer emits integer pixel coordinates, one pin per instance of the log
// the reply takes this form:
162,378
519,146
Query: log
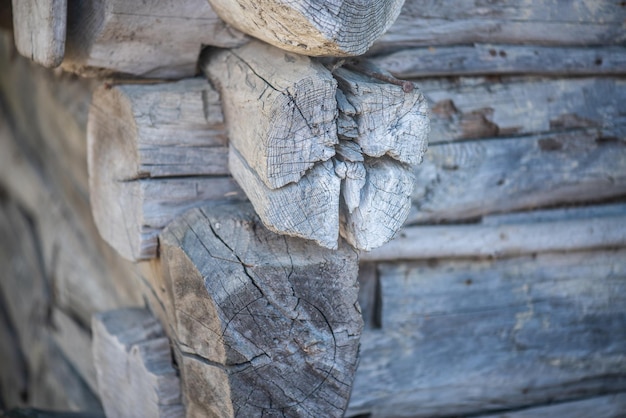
134,365
39,30
312,27
460,337
578,229
467,180
254,326
481,59
154,151
289,110
150,39
465,22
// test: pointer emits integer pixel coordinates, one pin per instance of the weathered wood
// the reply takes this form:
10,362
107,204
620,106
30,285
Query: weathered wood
39,30
608,406
253,320
289,109
307,209
465,180
154,151
483,59
459,337
485,107
155,39
134,365
312,27
463,22
526,233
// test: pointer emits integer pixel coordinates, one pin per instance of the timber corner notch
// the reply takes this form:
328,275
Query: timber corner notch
328,149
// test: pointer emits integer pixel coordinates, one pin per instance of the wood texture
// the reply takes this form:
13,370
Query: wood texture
262,323
480,59
452,22
289,110
154,39
466,335
39,30
154,151
134,365
500,236
466,180
312,27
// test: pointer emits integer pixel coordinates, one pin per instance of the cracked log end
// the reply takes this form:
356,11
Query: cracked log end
264,324
312,27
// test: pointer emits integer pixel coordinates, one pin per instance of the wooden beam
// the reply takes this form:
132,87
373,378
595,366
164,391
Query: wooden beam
134,365
154,151
481,59
312,27
462,336
254,327
151,39
39,30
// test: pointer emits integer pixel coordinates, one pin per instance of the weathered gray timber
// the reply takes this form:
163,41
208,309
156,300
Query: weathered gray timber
468,335
463,22
500,59
153,38
39,30
484,107
261,323
608,406
587,228
312,27
154,151
134,365
465,180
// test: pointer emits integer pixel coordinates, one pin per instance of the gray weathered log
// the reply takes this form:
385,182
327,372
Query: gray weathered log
464,336
462,22
465,180
524,233
134,365
280,117
312,27
262,323
307,209
483,59
154,38
154,151
39,30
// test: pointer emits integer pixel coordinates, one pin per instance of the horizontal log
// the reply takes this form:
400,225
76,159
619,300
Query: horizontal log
136,377
499,107
39,30
525,233
463,336
466,180
254,329
151,39
480,59
452,22
312,27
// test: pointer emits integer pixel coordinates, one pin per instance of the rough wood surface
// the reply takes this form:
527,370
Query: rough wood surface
482,59
262,323
134,365
312,27
154,151
39,30
289,109
465,180
484,107
498,236
462,336
154,38
463,22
